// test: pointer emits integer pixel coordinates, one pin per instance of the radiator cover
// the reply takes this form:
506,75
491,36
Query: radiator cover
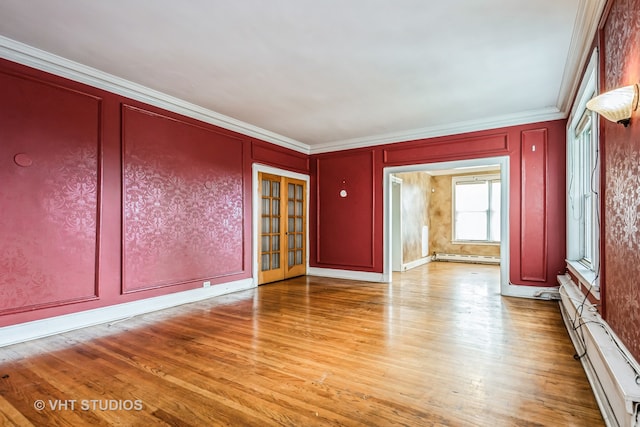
479,259
610,368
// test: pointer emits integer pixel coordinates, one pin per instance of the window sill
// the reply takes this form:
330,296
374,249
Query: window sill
588,278
473,242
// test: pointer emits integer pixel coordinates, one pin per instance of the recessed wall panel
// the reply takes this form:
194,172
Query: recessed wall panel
345,214
183,202
49,190
424,152
533,241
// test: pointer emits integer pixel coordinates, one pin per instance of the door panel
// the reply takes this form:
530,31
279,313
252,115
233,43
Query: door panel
282,228
270,252
296,225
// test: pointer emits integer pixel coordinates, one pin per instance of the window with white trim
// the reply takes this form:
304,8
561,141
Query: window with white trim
583,179
584,156
476,208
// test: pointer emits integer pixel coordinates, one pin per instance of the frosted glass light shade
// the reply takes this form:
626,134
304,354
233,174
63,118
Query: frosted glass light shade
616,105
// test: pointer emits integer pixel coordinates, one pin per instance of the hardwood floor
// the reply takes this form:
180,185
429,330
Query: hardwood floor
438,347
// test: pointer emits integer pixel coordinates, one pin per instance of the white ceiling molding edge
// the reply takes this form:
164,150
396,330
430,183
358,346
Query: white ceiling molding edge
585,28
550,113
586,25
36,58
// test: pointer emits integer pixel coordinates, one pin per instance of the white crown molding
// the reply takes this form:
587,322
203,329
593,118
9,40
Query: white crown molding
586,25
587,18
535,116
36,58
585,28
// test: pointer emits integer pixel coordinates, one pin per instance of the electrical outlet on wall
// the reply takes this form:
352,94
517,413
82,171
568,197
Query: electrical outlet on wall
206,284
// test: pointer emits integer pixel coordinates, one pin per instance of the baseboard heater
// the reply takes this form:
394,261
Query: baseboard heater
612,371
478,259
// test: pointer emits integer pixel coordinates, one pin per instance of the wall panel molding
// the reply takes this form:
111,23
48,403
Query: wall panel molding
533,238
440,150
183,202
50,169
263,153
341,235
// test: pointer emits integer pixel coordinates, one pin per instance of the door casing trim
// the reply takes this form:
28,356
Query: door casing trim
255,211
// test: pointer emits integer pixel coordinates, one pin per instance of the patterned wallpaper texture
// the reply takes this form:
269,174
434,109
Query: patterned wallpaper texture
426,200
622,180
183,198
48,193
416,192
441,227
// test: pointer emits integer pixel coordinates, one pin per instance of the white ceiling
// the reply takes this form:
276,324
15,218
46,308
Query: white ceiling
320,75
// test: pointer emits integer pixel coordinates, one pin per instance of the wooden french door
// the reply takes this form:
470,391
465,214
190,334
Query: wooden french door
282,228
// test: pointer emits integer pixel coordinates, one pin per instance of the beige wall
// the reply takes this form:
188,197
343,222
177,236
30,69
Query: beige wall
416,192
440,219
427,201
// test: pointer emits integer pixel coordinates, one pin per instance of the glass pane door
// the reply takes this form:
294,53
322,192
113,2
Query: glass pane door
270,229
282,228
296,226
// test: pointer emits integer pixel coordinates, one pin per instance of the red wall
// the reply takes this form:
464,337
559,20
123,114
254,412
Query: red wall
107,200
338,219
620,58
49,192
183,209
349,231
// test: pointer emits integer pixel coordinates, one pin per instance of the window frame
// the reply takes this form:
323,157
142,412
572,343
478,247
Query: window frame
585,168
469,179
583,184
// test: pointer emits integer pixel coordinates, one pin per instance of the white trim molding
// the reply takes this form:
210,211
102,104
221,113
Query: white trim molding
363,276
501,162
416,263
54,64
547,114
586,25
257,168
35,329
534,292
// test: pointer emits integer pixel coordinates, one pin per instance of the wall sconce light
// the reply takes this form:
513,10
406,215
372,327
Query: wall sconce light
616,105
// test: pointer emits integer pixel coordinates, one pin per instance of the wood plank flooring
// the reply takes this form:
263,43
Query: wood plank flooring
438,347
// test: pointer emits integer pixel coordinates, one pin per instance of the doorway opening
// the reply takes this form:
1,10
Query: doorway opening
497,167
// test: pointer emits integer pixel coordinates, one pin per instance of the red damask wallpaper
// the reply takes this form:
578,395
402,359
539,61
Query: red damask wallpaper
183,202
622,179
49,145
105,200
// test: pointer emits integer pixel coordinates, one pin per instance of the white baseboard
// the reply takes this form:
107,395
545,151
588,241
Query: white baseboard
14,334
416,263
347,274
534,292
